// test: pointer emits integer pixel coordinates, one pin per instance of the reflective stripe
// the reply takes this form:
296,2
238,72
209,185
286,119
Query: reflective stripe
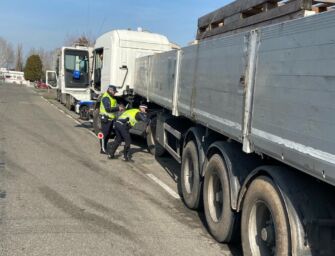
113,104
131,114
304,149
103,145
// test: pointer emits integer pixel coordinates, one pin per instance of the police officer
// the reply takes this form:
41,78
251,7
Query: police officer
108,111
125,121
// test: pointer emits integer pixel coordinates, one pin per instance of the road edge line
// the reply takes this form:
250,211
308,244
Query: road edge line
163,185
67,115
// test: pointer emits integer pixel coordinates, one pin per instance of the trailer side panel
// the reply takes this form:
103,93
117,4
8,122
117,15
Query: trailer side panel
293,113
211,85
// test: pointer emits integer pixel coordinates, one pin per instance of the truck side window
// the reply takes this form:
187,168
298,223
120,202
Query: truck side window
98,64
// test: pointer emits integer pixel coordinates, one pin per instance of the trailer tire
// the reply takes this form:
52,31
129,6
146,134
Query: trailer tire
96,121
190,176
264,225
153,146
219,215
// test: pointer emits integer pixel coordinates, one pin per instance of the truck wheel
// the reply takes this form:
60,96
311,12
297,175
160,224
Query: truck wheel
96,121
154,147
264,224
84,112
218,212
190,176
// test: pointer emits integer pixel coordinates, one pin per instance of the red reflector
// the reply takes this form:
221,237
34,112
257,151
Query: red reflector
100,135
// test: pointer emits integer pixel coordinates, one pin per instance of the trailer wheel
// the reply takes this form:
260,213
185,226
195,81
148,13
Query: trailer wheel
264,225
84,112
96,121
218,212
190,176
153,146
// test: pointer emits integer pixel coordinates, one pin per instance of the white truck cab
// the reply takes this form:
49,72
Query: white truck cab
114,57
72,75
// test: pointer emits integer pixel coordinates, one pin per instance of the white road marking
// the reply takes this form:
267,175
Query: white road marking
163,185
93,134
69,116
76,121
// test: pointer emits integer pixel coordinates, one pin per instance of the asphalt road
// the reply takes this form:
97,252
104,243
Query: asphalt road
59,196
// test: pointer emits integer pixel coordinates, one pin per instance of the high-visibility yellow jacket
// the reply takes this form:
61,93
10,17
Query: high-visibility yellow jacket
113,104
131,115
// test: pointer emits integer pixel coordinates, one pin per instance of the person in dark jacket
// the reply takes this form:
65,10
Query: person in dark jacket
122,125
108,111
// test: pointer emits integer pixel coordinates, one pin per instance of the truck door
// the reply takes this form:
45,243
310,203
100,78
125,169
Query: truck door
97,68
51,79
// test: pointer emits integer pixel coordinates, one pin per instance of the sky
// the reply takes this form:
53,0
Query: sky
47,23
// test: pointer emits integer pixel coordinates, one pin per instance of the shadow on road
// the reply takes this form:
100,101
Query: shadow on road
85,124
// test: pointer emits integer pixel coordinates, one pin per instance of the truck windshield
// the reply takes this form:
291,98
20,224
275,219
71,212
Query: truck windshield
76,60
76,68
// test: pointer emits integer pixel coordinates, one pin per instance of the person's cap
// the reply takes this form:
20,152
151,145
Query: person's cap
143,106
112,87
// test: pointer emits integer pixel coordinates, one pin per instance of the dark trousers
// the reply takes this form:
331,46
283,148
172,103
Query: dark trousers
106,129
122,134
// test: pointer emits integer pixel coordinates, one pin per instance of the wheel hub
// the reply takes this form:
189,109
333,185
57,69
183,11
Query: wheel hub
267,234
262,235
215,197
189,176
218,197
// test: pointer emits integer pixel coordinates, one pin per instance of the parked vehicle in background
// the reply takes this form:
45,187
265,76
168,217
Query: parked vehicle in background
41,85
72,75
12,77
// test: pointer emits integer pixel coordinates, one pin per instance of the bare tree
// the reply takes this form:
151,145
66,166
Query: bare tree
6,54
83,39
54,58
46,57
18,58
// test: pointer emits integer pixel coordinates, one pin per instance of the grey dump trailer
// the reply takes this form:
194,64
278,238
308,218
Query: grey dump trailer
251,119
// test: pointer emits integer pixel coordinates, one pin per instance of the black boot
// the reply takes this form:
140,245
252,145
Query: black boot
111,150
126,154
